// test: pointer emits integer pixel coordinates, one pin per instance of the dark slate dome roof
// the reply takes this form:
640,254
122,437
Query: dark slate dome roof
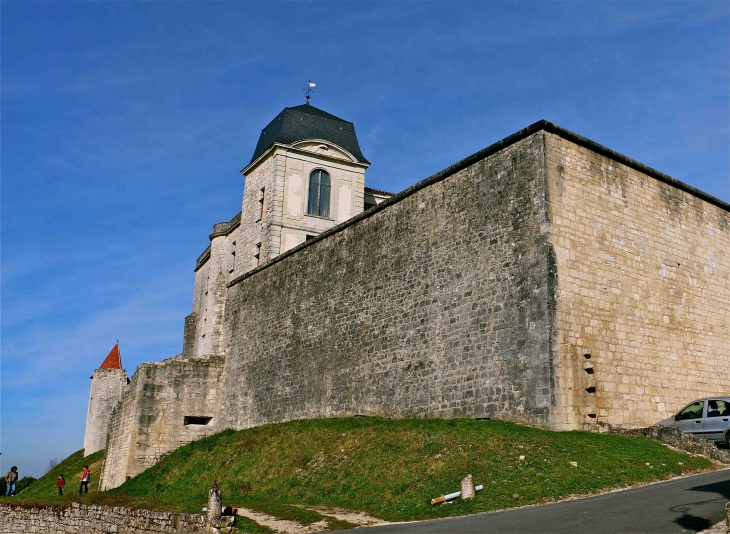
307,122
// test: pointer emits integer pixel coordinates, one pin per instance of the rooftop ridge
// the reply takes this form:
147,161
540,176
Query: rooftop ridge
309,108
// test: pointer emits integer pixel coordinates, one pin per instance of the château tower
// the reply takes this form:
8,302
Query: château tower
536,281
107,386
306,175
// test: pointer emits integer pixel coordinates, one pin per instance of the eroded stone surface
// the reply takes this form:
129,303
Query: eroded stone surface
94,519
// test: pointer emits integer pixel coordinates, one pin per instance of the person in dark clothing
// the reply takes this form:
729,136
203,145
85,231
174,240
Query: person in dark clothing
60,484
85,476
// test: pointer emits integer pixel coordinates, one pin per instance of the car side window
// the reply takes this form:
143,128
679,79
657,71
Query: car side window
718,408
693,411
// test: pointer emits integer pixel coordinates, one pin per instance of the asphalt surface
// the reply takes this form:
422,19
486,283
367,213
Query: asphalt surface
690,504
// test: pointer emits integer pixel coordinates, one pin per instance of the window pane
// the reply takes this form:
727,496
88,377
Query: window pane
693,411
324,200
324,178
718,408
313,197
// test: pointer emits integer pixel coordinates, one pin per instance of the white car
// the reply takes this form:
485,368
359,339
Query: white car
707,418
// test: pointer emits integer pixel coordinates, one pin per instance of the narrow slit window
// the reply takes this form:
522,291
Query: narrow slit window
196,420
257,256
261,203
232,266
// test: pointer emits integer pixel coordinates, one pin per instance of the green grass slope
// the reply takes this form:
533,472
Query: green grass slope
392,468
44,489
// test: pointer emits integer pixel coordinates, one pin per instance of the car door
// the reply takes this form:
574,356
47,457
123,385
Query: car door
717,420
690,419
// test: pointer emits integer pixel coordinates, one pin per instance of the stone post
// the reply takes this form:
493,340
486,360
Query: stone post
467,488
214,506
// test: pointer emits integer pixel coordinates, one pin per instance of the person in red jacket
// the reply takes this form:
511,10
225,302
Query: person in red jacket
85,476
60,483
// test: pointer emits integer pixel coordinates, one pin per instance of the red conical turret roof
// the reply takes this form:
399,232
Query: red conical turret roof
113,360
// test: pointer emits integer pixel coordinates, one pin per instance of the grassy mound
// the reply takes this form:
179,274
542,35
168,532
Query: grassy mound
392,468
44,489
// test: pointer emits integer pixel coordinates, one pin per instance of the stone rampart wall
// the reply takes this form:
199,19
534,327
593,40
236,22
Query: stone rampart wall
150,421
544,280
644,291
94,519
437,305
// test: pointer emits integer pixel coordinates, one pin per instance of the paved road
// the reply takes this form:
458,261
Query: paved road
689,504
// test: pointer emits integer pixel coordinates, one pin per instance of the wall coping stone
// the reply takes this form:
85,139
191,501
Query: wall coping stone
204,257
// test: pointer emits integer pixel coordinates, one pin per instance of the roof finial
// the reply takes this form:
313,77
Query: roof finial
308,91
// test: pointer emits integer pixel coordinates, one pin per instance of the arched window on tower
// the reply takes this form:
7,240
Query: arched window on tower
319,193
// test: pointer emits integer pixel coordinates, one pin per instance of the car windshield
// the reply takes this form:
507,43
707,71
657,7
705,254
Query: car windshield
693,411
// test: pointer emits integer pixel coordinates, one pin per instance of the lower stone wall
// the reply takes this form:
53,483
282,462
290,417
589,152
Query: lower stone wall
168,404
94,519
439,305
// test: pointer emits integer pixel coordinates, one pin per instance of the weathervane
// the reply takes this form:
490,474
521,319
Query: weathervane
308,91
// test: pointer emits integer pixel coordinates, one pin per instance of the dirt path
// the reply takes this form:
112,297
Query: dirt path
361,519
284,526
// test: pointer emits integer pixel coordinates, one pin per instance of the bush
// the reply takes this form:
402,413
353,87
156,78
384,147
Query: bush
19,486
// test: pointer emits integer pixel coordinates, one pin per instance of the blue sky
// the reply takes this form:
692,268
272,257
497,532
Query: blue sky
125,125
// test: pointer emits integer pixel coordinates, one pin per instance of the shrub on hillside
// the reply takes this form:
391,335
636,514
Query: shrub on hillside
19,486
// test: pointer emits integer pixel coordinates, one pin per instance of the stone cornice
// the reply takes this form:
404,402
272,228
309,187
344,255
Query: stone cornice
219,229
266,153
225,228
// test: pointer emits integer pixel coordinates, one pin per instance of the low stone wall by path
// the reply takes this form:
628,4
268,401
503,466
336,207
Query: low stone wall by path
94,519
675,438
727,516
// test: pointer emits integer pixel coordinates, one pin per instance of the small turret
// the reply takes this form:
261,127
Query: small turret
107,386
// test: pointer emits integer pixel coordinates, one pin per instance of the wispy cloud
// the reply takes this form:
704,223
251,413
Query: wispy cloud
148,320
